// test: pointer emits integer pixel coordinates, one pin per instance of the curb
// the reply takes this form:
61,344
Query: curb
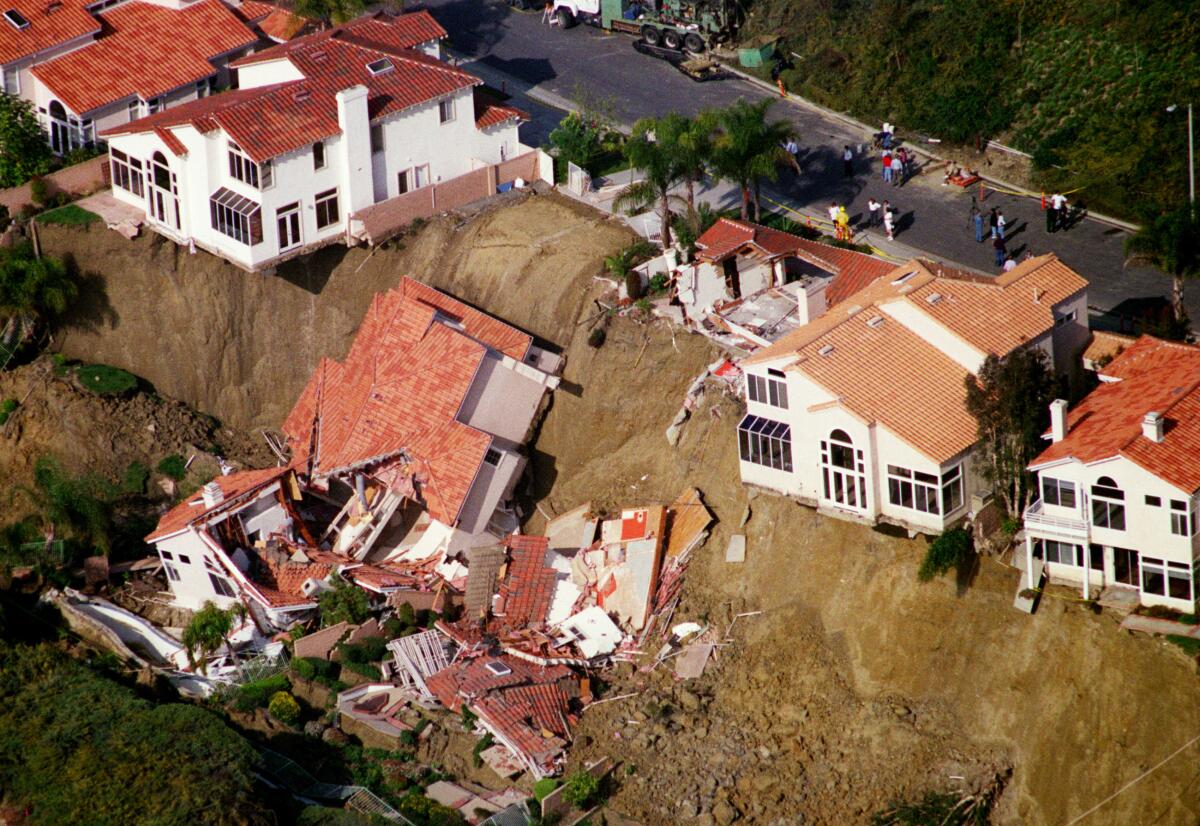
857,124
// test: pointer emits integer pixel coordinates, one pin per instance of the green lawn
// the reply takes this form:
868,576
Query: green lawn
104,380
69,215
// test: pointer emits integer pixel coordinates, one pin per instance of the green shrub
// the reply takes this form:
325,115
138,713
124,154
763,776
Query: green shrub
104,380
69,215
345,603
405,615
6,409
39,190
948,551
943,809
483,744
578,141
582,789
1190,645
658,283
421,810
544,786
258,694
135,478
173,466
370,650
284,708
315,669
368,670
469,719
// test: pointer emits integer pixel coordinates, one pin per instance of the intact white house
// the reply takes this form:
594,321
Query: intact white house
861,412
403,455
87,66
1120,481
320,128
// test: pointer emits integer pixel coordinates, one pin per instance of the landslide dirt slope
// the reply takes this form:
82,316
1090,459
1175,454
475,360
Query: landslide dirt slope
857,685
242,346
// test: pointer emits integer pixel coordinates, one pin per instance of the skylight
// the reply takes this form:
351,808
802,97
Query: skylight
17,19
933,298
498,668
826,350
379,67
903,278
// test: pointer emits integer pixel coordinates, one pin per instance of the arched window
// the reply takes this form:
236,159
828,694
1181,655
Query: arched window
1108,504
162,172
844,473
57,110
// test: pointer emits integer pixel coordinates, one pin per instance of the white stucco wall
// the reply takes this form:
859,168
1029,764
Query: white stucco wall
193,587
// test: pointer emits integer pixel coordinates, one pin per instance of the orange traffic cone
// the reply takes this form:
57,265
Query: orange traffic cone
1043,202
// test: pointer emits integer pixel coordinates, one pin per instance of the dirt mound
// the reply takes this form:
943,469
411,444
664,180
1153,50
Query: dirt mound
91,434
857,685
242,346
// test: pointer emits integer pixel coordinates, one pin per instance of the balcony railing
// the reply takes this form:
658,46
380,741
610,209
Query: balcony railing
1040,523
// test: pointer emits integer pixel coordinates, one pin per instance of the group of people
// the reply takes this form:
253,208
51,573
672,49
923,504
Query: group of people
877,214
1057,211
897,166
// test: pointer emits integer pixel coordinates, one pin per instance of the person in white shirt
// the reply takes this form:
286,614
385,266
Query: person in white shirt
889,221
1000,224
872,212
1058,211
833,213
1009,264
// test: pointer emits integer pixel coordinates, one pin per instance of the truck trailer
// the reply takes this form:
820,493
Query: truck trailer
694,25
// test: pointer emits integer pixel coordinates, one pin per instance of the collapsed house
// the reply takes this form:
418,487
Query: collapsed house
404,454
751,284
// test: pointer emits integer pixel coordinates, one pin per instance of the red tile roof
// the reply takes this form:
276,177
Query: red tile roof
399,391
851,270
145,50
1153,376
272,120
472,679
49,26
532,718
528,589
274,22
234,486
491,111
172,142
381,31
279,581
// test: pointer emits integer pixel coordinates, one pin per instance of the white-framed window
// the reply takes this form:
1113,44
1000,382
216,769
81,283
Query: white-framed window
376,138
1182,518
446,110
327,208
1167,579
1062,553
318,152
236,216
135,109
843,471
127,173
221,585
1058,492
912,489
1064,318
257,175
770,389
287,223
765,442
952,490
1154,501
201,88
403,181
492,457
12,81
420,176
1108,504
154,105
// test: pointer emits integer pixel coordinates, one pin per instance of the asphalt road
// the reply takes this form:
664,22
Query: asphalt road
584,63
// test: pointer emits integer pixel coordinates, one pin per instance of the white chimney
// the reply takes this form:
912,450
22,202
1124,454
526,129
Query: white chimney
1152,426
1058,420
354,150
213,495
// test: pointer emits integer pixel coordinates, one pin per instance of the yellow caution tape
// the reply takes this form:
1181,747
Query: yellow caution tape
827,223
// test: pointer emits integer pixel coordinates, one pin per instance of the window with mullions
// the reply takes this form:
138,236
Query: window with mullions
127,173
765,442
236,216
912,489
952,489
770,389
327,208
221,585
1181,518
1167,579
247,171
1108,505
1062,553
1057,492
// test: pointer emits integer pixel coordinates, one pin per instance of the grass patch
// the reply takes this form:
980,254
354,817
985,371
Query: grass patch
173,466
1190,646
7,407
544,786
104,380
69,215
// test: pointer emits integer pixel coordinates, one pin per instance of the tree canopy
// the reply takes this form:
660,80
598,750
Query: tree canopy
1010,400
208,630
748,147
24,151
344,603
661,172
76,747
1170,242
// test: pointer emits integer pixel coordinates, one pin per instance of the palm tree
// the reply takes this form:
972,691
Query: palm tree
749,148
1171,242
661,173
208,631
33,289
690,140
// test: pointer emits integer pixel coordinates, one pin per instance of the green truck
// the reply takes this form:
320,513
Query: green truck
693,25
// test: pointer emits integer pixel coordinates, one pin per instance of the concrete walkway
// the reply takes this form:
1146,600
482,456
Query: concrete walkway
1154,625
